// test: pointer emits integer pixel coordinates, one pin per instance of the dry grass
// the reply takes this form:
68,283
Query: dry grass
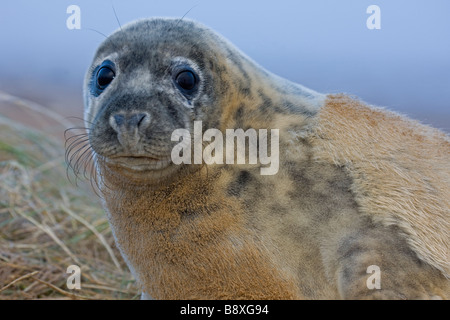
48,223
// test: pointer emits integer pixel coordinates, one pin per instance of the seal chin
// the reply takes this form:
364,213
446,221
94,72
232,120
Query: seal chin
141,169
139,163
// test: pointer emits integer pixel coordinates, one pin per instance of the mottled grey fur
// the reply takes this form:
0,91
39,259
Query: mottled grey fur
304,221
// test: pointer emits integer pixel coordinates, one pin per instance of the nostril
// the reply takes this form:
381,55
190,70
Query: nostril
119,119
117,122
139,118
142,120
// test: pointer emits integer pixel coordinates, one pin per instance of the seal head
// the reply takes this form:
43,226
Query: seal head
157,75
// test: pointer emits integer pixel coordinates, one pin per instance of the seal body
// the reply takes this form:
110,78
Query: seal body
358,188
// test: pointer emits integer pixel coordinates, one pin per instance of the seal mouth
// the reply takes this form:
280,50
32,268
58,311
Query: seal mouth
139,162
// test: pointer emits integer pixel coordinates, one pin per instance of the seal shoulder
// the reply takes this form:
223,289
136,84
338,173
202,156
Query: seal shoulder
399,169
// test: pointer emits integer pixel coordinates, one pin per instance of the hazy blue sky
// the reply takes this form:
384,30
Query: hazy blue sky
322,44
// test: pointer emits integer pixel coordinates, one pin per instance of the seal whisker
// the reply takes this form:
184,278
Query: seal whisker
83,141
96,31
115,14
78,118
77,136
73,147
82,129
73,150
80,162
184,15
93,177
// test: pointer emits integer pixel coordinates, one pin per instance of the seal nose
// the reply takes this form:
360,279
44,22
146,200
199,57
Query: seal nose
129,127
122,122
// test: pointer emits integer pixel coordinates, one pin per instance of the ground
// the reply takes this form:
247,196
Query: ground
48,221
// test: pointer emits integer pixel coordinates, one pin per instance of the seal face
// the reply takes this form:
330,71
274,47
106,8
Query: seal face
135,98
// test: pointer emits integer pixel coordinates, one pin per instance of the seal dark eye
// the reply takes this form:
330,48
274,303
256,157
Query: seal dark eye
186,80
105,76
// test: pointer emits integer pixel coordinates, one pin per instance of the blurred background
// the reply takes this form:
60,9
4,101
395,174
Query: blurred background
322,44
